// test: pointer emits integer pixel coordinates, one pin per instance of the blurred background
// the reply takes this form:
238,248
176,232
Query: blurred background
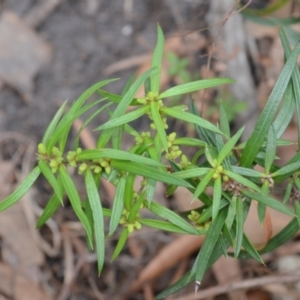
52,50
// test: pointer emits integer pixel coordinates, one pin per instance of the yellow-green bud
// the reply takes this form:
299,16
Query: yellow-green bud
104,164
42,149
141,100
55,151
107,170
78,150
172,137
225,178
220,169
130,227
97,169
160,103
166,126
82,168
152,126
184,159
72,163
215,175
137,225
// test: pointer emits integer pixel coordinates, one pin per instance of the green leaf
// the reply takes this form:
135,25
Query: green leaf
74,198
268,201
295,76
239,226
247,245
172,217
247,172
118,205
155,113
217,195
194,86
231,212
157,60
190,118
95,203
129,117
136,207
207,213
51,179
244,181
270,149
121,108
128,191
224,123
287,194
220,144
297,211
265,120
192,173
51,127
21,189
51,207
116,154
121,243
286,112
151,185
186,141
149,172
229,146
162,225
287,170
203,184
208,246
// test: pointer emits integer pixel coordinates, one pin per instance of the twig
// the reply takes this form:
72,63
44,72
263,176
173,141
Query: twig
245,284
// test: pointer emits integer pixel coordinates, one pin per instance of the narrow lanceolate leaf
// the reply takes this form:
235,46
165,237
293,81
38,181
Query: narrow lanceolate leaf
288,190
162,225
129,117
156,61
121,108
186,141
244,181
172,217
287,170
217,195
149,172
121,243
203,184
128,191
51,179
268,201
209,244
265,120
50,129
159,125
295,76
118,205
229,146
95,203
247,172
51,207
224,123
270,149
190,118
21,190
297,211
286,112
74,198
194,86
239,226
192,173
116,154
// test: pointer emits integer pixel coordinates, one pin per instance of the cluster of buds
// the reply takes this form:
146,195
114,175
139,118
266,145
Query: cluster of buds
140,140
173,150
130,225
184,161
218,170
71,157
151,96
102,164
153,126
194,217
55,158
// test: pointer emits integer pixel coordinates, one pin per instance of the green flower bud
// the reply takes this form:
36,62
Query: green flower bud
55,151
216,175
152,126
137,225
104,164
78,150
172,137
108,170
42,149
220,169
141,100
82,168
130,227
97,169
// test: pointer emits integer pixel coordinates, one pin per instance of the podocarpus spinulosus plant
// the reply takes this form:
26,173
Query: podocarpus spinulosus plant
220,162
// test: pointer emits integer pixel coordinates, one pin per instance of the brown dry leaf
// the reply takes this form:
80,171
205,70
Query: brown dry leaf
22,54
227,270
170,255
16,286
